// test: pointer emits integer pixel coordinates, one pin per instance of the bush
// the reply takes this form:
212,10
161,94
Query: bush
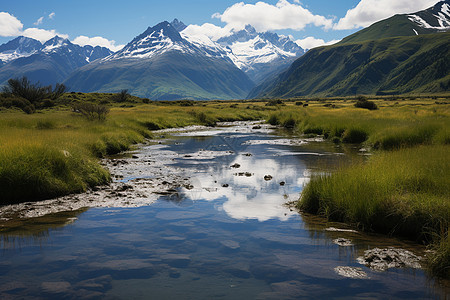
274,102
121,96
33,92
362,102
299,103
13,101
91,111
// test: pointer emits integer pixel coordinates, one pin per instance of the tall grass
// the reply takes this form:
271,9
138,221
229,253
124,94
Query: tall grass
392,126
404,192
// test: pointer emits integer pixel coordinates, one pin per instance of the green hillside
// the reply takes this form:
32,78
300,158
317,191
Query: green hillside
384,66
398,25
172,76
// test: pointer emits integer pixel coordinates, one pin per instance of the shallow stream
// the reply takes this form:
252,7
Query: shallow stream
216,227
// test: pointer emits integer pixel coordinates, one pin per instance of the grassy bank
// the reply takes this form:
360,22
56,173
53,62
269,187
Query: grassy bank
395,124
403,192
402,189
56,151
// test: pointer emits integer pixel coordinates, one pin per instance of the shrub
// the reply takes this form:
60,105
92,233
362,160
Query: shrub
274,102
121,96
33,92
91,111
13,101
364,103
299,103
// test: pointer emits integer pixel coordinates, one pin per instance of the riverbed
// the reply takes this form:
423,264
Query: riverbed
201,214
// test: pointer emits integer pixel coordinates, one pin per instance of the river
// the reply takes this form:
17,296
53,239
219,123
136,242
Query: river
201,215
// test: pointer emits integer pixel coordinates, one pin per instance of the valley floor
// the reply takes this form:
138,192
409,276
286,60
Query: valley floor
401,189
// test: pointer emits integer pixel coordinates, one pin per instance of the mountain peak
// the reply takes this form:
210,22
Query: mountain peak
157,39
178,25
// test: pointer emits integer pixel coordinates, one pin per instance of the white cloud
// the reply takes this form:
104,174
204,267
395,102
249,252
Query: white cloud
52,15
311,42
97,41
39,21
9,25
210,30
42,35
264,16
368,12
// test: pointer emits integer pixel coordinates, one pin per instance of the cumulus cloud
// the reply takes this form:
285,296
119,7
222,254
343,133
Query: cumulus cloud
210,30
368,12
42,35
52,15
311,42
9,25
264,16
97,41
39,21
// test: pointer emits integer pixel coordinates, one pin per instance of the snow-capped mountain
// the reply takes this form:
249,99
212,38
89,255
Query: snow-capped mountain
162,63
47,63
163,38
435,18
17,48
257,54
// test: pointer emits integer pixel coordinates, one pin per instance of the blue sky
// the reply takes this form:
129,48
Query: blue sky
115,23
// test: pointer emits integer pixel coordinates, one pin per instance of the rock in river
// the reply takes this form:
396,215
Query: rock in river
383,259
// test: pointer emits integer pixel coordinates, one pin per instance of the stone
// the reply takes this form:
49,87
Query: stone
268,177
351,272
343,242
383,259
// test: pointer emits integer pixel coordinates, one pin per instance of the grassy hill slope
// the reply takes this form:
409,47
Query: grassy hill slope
385,66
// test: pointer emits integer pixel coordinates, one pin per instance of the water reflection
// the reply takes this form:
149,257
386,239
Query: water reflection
17,232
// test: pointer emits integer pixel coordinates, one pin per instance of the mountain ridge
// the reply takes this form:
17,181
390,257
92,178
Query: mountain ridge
361,64
47,63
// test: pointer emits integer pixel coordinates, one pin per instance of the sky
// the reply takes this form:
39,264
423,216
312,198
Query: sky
112,24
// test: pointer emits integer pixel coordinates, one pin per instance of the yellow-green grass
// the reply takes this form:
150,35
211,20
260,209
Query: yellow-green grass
394,125
56,152
403,192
